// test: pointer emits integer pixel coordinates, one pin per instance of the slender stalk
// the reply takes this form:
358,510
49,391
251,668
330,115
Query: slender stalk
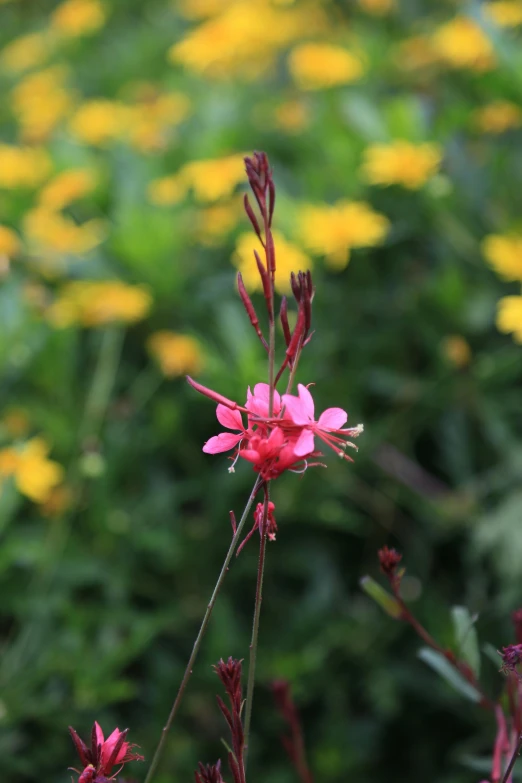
201,633
255,625
516,753
103,381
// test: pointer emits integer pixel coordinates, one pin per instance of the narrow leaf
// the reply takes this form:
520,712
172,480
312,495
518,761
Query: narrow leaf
466,637
443,667
381,596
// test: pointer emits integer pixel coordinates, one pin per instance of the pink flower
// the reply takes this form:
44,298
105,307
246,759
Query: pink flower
232,420
329,427
103,755
257,403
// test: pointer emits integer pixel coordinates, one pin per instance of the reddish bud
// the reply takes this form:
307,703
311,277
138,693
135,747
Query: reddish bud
213,394
283,315
209,773
250,310
252,217
389,559
511,658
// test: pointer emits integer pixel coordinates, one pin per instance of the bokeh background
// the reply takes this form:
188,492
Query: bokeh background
394,130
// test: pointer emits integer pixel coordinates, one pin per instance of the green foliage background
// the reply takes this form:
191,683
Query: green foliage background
99,608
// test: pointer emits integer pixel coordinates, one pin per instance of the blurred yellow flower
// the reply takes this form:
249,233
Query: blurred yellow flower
27,51
9,242
58,501
504,254
51,232
377,7
34,474
292,116
166,191
23,167
176,354
416,53
213,178
215,222
509,316
462,44
315,66
401,163
332,230
244,38
15,422
40,102
99,122
96,303
66,187
78,17
289,258
456,350
151,119
498,116
505,13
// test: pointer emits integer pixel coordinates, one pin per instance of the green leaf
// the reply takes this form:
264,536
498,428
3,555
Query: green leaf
442,666
466,637
381,596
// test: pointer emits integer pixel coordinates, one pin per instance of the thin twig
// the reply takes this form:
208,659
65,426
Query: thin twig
201,633
255,624
516,753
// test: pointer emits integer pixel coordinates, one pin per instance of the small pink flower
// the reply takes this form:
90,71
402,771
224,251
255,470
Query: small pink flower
103,755
232,420
257,403
329,427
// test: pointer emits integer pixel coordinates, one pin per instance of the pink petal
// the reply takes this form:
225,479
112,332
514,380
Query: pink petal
332,419
109,745
230,419
122,753
262,392
305,444
276,438
222,442
298,408
250,454
99,734
307,400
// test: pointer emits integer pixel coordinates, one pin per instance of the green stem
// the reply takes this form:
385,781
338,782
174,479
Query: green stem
103,382
201,633
255,625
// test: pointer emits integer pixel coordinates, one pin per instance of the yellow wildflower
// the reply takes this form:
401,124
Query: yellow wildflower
34,474
15,422
78,17
498,116
315,66
27,51
58,501
213,179
289,258
401,163
96,303
509,316
462,44
40,102
292,116
504,254
22,167
152,118
52,232
215,222
99,122
66,187
416,53
377,7
333,230
243,39
456,350
505,13
166,191
9,242
176,354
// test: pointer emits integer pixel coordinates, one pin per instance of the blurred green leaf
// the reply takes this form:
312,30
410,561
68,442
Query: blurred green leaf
466,637
442,666
385,600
